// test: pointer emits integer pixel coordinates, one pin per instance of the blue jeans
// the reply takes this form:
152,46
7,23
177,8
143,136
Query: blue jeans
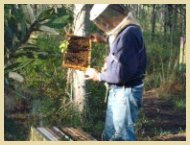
122,109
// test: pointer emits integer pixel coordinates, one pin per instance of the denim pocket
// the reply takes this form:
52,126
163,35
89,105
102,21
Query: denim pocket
137,92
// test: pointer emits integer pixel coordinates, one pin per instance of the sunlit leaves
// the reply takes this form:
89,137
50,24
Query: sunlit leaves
63,46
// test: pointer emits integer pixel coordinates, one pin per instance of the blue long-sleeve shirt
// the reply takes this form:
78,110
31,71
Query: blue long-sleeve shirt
126,62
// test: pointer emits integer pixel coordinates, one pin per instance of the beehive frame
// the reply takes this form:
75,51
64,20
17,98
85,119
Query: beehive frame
78,54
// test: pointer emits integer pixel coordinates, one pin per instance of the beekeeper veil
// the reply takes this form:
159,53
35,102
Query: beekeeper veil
111,18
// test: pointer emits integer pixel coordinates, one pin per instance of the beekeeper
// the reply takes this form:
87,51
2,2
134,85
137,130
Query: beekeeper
125,68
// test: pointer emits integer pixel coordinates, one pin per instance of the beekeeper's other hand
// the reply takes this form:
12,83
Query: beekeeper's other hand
96,37
92,74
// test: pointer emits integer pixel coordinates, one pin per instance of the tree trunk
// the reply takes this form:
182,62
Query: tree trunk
165,19
81,25
170,15
153,21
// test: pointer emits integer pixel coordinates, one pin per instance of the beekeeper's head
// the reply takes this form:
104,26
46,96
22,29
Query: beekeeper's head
108,16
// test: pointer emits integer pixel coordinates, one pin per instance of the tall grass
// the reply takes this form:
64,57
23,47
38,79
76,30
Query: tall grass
163,62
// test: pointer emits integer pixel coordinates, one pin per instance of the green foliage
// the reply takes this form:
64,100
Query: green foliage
52,105
99,53
141,123
180,104
45,73
20,22
54,112
95,111
63,46
162,61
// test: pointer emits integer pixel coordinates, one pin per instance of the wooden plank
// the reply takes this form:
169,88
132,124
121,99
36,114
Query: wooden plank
71,133
77,134
61,134
35,135
47,134
44,134
84,134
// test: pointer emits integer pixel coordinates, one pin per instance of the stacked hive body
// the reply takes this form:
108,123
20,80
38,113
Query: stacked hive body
78,53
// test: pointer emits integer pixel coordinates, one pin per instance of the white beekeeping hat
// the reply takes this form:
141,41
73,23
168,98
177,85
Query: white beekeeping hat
107,16
96,10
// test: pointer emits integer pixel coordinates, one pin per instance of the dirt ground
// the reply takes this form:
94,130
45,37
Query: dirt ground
162,121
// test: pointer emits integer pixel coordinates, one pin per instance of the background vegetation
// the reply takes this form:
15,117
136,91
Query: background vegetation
36,92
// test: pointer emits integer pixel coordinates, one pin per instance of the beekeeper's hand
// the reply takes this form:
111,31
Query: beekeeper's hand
92,74
95,37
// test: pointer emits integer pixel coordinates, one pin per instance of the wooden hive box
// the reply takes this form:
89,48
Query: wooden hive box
78,53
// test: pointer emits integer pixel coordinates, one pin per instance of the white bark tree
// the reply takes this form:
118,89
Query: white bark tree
81,26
